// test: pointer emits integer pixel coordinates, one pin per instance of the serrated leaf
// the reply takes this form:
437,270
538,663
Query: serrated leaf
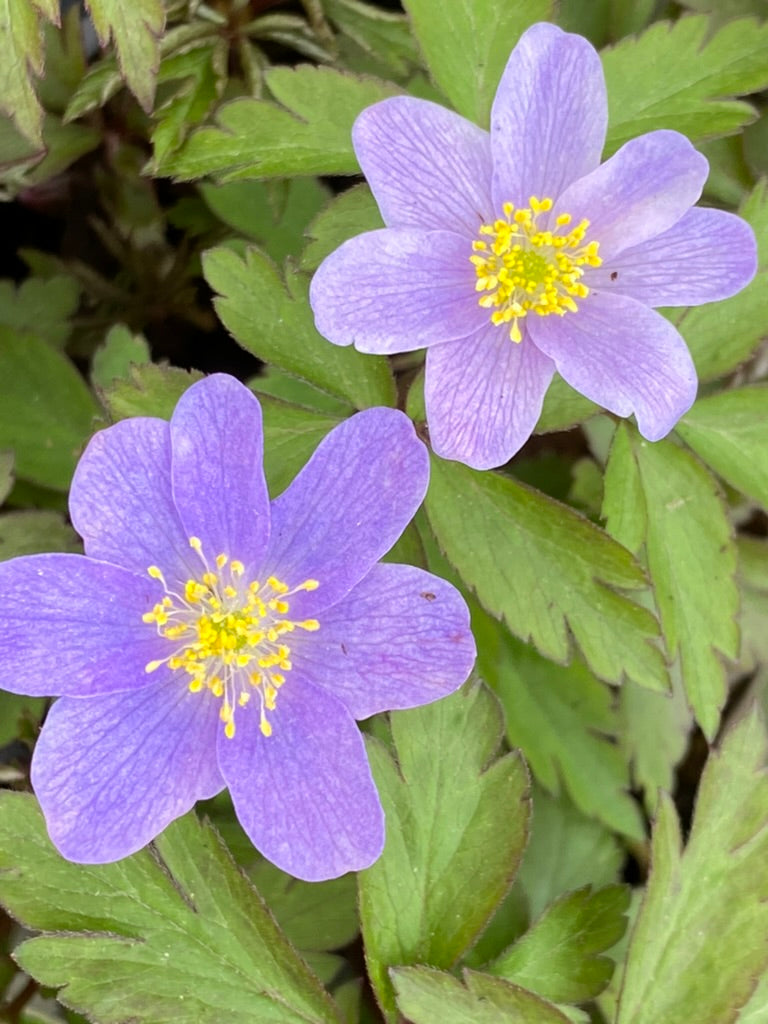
201,75
701,939
40,305
22,36
291,434
136,28
546,570
114,358
425,996
308,133
456,828
691,561
149,390
268,313
384,34
467,44
723,334
564,721
175,933
348,214
46,410
677,75
729,432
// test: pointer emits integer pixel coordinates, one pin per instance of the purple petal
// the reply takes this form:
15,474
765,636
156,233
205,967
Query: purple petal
706,256
484,395
347,507
73,626
397,290
623,356
399,639
111,772
643,190
121,503
305,795
428,167
217,468
549,117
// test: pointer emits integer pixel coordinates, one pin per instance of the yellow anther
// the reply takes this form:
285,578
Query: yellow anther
221,561
309,624
308,585
237,568
155,573
153,666
196,544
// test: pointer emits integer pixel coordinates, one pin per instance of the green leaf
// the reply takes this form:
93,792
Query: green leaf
46,411
348,214
113,360
149,390
40,305
457,822
425,996
312,915
291,434
723,334
564,721
695,590
269,315
546,570
558,957
136,28
274,213
467,43
22,36
29,531
756,1010
309,133
677,75
701,939
175,934
381,33
15,713
294,391
563,407
200,76
594,855
753,577
728,431
6,474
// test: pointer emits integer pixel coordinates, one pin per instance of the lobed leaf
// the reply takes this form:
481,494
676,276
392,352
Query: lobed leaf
136,28
175,933
457,822
23,56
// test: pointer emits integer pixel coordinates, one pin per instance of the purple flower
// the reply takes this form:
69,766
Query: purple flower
513,254
210,638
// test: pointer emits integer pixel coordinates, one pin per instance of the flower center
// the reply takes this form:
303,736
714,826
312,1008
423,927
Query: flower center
523,268
229,636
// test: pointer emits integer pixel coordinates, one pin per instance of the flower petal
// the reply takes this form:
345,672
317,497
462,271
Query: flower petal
484,395
347,507
305,795
643,190
399,639
397,290
428,167
623,356
111,772
217,468
121,503
549,117
706,256
73,626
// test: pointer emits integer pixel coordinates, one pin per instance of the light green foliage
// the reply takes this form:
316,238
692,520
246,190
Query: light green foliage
563,719
730,432
563,407
425,996
148,390
690,554
382,33
753,577
756,1010
274,213
723,334
25,165
120,351
199,75
40,305
291,434
180,936
22,36
545,570
135,28
558,957
308,133
46,416
676,75
701,939
28,531
485,31
268,313
348,214
281,385
457,822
